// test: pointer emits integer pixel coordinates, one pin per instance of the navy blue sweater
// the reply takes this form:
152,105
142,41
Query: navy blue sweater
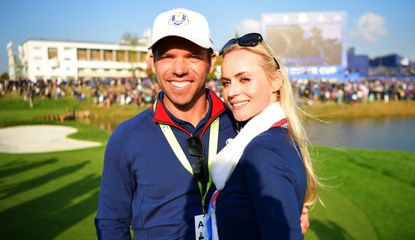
144,184
264,196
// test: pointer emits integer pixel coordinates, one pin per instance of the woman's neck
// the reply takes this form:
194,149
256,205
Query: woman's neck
241,124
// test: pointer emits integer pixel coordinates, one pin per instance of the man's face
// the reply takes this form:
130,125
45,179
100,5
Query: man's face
181,68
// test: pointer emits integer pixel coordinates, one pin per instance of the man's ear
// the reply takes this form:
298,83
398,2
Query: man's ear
212,62
150,62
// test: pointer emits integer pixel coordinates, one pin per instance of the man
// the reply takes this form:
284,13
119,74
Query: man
155,175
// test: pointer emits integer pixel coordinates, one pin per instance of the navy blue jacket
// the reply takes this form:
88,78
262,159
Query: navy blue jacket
144,184
264,196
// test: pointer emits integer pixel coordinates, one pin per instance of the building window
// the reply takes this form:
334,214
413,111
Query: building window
120,56
81,54
108,55
95,55
52,53
143,57
132,56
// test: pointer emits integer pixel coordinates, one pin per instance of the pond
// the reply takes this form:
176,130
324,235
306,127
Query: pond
389,134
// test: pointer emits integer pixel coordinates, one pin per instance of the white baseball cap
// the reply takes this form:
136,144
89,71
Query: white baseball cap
184,23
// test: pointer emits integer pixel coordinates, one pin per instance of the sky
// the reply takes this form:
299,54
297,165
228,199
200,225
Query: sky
373,27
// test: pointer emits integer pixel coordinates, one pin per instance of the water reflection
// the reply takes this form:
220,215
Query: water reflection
391,134
104,124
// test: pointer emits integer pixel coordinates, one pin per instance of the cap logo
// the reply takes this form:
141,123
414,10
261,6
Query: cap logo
178,19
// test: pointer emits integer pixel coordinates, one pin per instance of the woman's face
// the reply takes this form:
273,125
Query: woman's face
246,88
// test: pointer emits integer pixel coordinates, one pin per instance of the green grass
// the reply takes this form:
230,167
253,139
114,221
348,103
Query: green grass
15,111
371,195
44,196
54,195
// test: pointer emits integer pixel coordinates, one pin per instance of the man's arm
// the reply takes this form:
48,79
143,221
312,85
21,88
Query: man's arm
113,218
305,224
113,229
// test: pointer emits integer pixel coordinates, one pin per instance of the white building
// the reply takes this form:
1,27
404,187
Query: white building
69,60
13,66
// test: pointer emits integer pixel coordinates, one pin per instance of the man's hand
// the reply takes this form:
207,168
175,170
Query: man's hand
305,224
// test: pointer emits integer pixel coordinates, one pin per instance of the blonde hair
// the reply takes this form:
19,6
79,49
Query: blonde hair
291,110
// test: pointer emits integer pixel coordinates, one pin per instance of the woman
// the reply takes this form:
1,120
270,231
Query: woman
264,175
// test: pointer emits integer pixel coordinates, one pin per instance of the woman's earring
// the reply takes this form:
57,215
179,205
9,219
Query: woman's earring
277,92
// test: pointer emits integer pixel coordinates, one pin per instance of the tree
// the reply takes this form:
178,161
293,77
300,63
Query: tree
4,76
131,40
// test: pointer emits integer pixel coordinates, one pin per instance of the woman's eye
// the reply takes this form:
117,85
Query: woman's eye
224,83
245,79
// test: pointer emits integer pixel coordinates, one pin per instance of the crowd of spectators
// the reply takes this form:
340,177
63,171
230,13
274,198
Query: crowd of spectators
43,88
313,90
355,91
122,92
105,92
143,91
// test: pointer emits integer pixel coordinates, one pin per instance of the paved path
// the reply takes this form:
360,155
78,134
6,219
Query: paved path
40,138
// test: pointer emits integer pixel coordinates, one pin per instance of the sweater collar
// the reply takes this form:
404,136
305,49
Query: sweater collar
162,115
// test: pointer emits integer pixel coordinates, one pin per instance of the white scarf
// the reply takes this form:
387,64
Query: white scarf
226,160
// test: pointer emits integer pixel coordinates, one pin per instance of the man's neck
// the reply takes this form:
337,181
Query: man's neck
193,113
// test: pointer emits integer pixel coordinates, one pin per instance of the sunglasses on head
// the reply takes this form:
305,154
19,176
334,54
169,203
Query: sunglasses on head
200,167
248,40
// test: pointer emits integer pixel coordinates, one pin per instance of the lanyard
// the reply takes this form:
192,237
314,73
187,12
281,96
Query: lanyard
213,146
